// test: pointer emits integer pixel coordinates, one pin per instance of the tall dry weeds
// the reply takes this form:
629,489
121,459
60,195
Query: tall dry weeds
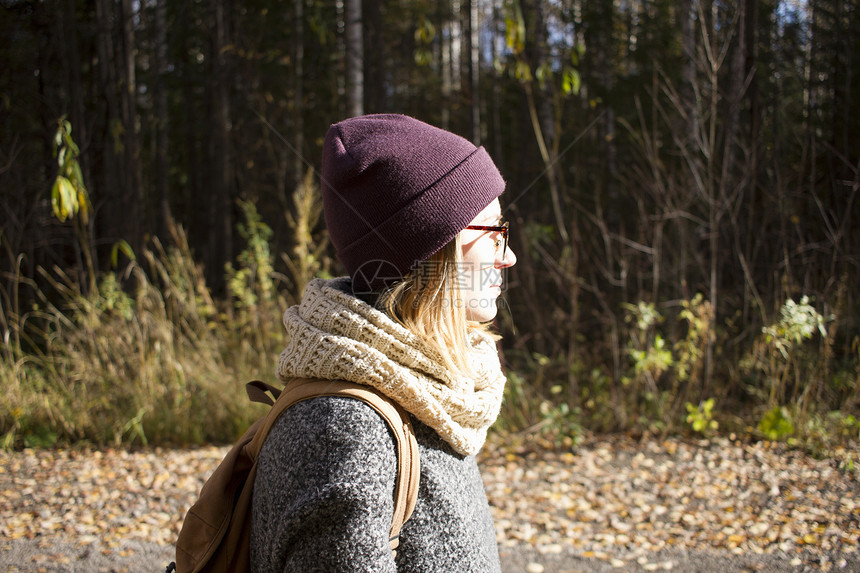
149,356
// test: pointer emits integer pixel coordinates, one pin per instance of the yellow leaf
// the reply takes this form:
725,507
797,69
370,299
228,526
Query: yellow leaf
56,201
64,199
68,198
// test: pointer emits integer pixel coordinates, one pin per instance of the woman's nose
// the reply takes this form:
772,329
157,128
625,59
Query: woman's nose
509,260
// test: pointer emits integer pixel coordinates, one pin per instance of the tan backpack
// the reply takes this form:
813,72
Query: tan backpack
216,533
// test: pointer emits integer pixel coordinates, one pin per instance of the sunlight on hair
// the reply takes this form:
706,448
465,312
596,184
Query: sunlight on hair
428,303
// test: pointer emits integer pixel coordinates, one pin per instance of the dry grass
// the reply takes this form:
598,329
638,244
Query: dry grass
149,356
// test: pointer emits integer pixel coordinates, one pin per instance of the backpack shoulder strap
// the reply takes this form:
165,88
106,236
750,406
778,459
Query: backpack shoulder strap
408,463
215,534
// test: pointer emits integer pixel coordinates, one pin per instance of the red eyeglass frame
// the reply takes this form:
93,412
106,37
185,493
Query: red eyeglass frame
504,229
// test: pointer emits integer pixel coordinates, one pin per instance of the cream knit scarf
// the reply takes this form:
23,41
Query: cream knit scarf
335,336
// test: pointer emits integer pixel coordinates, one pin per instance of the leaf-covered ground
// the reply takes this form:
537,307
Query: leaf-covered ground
647,505
610,504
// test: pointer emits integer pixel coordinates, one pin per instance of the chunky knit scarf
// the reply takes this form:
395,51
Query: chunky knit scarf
335,336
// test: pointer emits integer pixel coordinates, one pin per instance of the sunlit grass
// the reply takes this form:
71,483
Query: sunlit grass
149,356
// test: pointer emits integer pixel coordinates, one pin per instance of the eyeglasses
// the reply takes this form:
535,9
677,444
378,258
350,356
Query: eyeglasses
503,229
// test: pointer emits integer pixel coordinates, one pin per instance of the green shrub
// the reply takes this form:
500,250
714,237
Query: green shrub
784,365
701,417
776,424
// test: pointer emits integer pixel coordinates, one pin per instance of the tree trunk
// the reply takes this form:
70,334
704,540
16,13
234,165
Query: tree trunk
542,57
107,194
221,224
298,92
446,82
341,48
756,143
131,196
159,96
374,63
72,65
687,16
354,59
456,46
189,193
495,102
474,71
542,115
737,81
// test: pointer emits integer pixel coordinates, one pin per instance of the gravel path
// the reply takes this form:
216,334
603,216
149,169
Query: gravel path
610,505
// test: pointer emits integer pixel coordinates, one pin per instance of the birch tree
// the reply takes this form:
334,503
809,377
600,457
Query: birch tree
354,59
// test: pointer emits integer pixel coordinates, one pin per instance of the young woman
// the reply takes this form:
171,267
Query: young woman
414,215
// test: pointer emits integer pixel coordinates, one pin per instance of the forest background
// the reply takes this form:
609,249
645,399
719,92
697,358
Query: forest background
682,188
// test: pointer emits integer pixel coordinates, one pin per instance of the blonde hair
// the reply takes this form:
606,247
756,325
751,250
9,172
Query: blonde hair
428,302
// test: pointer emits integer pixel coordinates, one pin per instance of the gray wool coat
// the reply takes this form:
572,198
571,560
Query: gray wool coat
323,498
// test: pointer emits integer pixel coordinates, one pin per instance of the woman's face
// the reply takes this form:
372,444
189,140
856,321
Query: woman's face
484,257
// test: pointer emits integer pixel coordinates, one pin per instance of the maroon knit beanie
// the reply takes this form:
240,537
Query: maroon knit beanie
396,190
